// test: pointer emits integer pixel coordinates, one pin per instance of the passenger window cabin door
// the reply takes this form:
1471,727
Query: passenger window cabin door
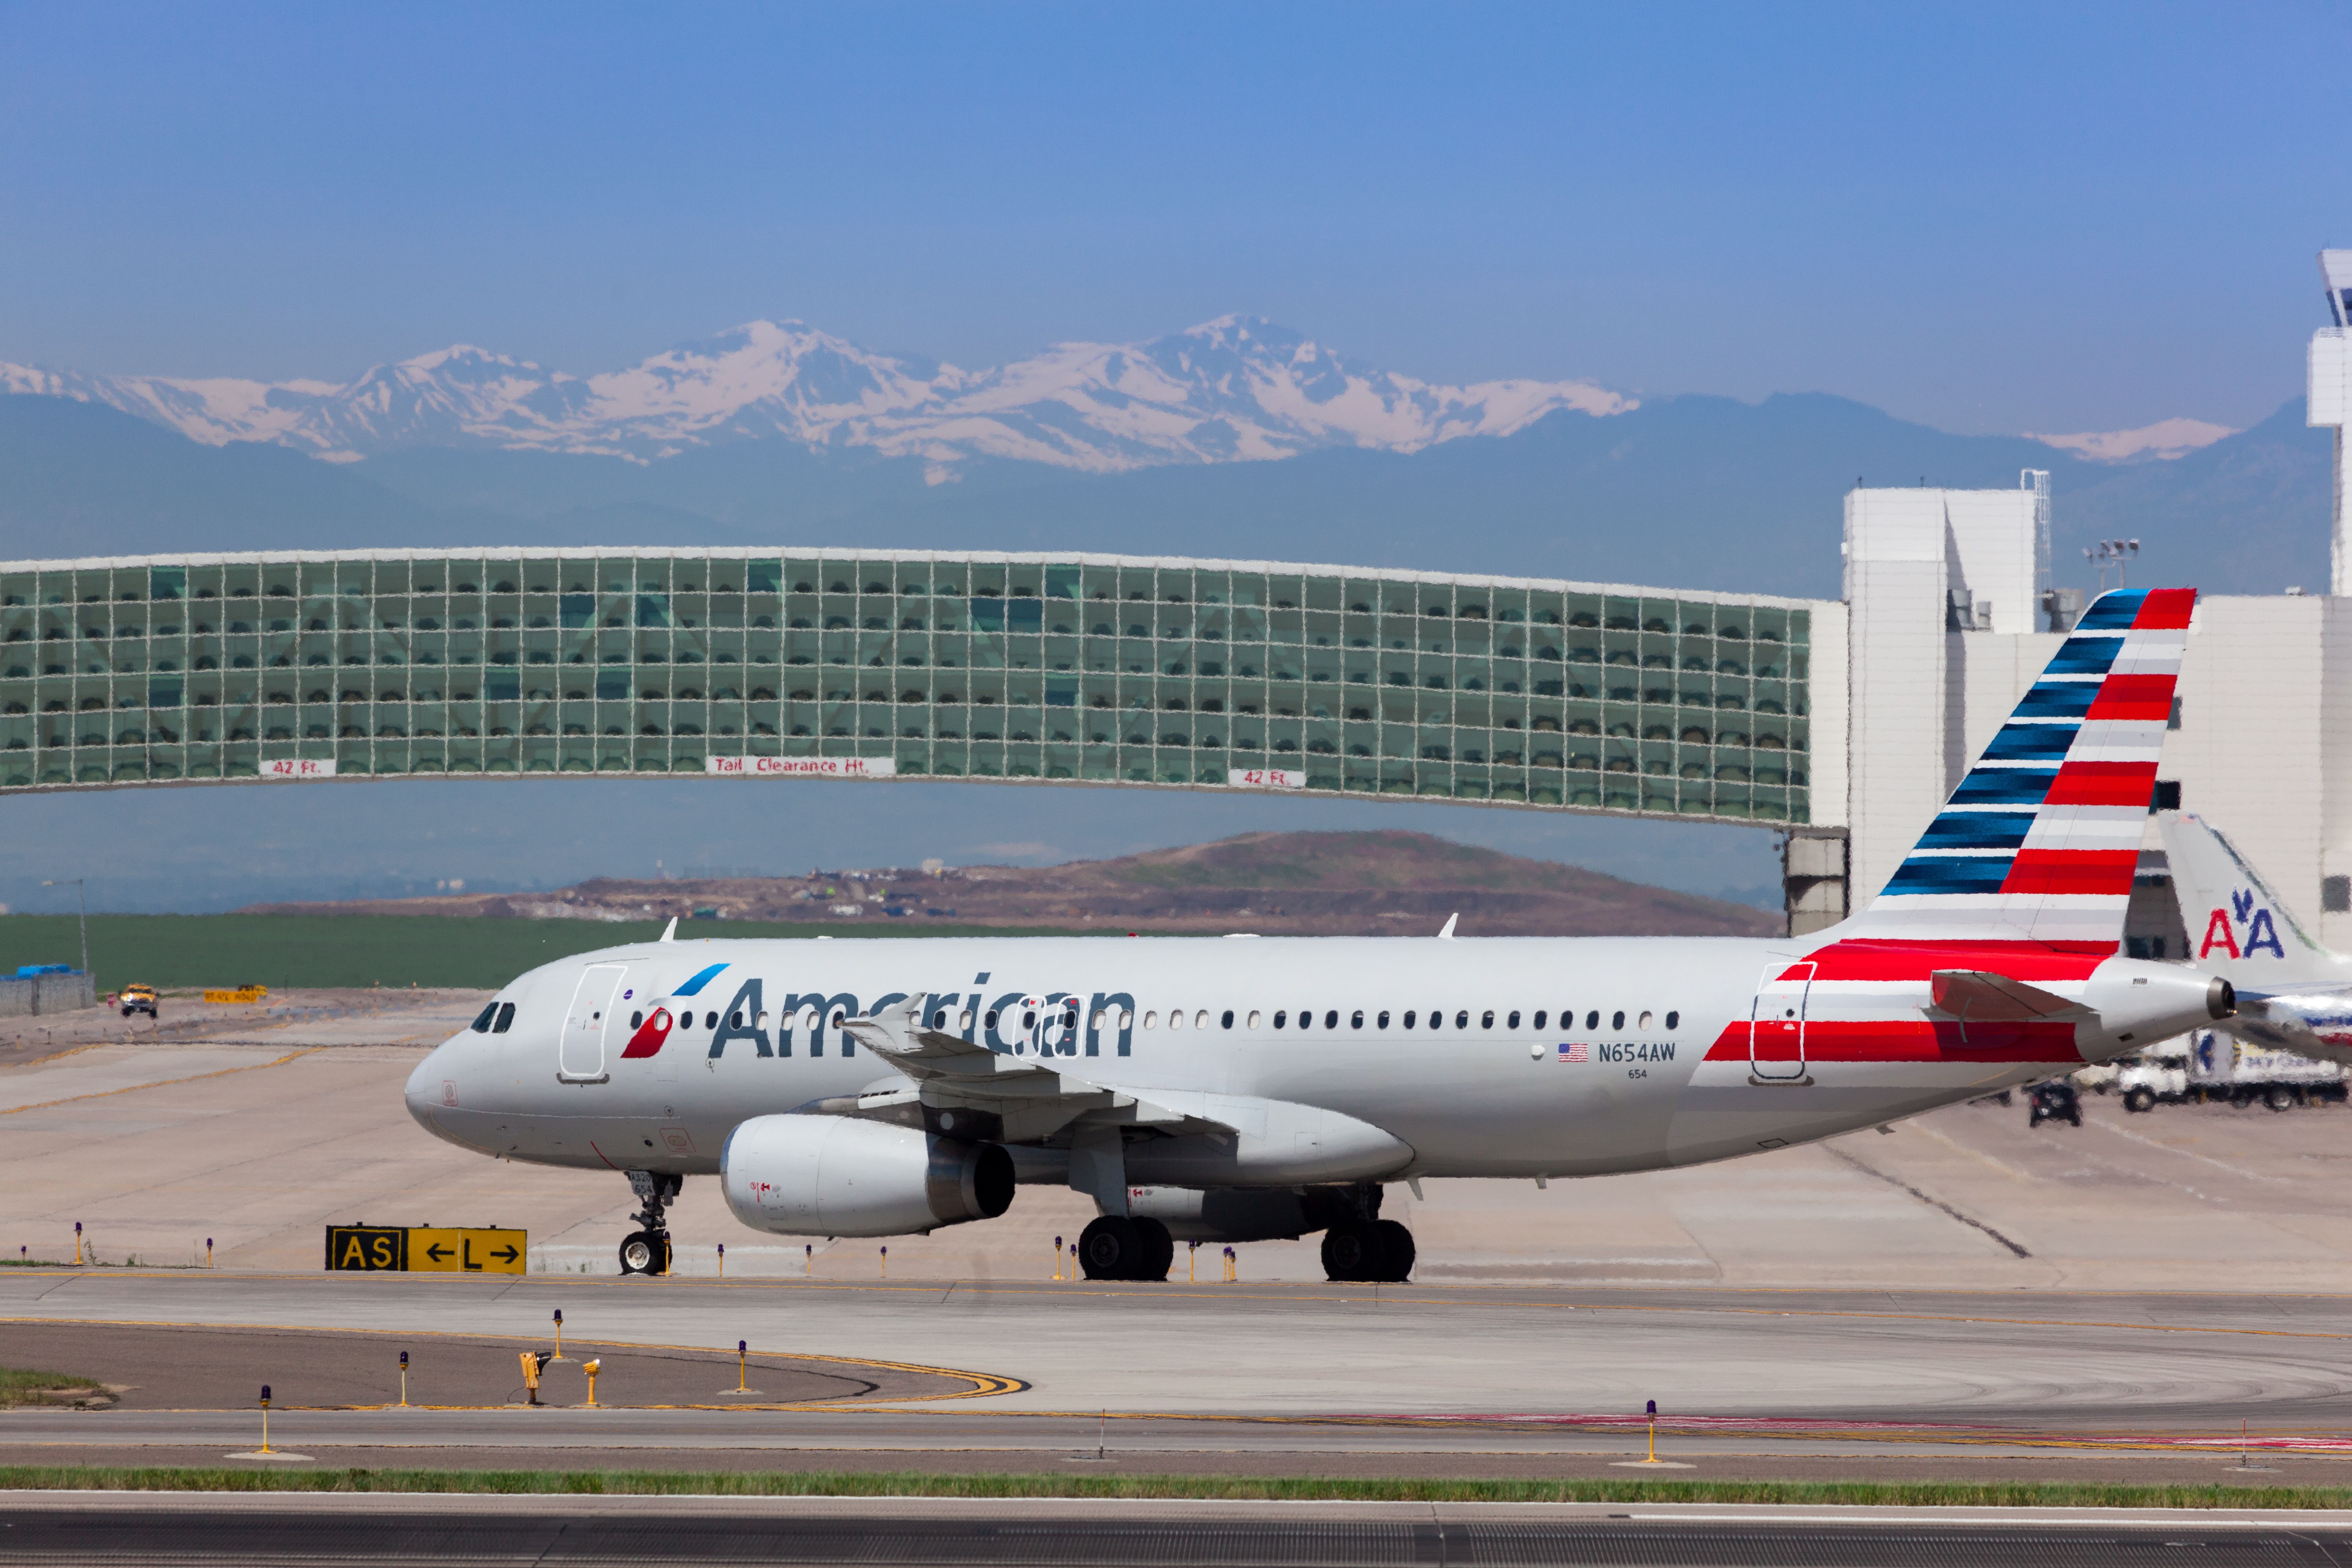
580,1058
1776,1024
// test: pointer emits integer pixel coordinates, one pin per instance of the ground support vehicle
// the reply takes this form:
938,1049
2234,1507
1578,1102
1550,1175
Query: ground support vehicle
138,999
2156,1075
2243,1072
2055,1101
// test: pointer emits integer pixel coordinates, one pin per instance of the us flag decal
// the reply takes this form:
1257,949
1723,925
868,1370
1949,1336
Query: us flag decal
1576,1051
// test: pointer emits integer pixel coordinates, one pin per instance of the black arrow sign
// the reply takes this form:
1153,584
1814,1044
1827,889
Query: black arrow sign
505,1253
437,1252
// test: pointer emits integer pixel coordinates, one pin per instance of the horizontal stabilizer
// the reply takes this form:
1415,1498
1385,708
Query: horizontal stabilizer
1980,996
2279,1023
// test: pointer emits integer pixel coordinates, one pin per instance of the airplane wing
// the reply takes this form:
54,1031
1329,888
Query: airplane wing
1027,1097
898,1035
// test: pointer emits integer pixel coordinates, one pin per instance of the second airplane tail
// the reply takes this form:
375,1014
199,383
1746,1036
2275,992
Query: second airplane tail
2237,927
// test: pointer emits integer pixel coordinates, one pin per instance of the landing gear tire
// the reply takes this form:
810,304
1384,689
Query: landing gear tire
1108,1248
1350,1250
644,1252
1114,1247
1367,1252
1155,1250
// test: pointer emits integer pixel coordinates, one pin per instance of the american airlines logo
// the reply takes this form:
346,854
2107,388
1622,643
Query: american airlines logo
1016,1022
2251,932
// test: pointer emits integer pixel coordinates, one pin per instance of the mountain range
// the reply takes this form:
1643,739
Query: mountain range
1234,389
777,433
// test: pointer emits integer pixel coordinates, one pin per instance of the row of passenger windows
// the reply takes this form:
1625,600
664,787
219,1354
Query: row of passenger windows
498,1017
1355,1018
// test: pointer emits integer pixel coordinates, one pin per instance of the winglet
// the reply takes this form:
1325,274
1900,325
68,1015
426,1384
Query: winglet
670,932
1445,932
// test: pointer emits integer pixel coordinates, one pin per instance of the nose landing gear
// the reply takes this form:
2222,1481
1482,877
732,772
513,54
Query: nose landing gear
645,1251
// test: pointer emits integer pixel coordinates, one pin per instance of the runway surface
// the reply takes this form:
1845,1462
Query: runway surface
344,1530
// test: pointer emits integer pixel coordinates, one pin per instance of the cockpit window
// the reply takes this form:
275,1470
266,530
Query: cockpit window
482,1024
505,1019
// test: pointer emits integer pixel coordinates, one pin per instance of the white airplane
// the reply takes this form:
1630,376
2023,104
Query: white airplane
1217,1089
2293,993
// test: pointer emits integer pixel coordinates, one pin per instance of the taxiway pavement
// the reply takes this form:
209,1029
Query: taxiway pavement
1336,1379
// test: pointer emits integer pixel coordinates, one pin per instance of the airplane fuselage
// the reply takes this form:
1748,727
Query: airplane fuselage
1519,1057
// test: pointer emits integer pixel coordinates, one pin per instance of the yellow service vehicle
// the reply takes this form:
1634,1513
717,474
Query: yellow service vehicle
138,999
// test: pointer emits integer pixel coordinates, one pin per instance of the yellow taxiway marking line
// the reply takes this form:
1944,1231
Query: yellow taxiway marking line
69,1051
983,1383
162,1082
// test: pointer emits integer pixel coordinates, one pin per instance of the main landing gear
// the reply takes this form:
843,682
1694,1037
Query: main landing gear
645,1251
1360,1248
1115,1248
1368,1252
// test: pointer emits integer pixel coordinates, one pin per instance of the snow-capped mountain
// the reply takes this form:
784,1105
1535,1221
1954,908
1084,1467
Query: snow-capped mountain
1234,389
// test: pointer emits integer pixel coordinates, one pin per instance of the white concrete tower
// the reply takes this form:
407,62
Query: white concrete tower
2329,402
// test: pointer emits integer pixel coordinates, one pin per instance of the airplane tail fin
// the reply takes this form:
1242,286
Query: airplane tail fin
2237,926
2040,841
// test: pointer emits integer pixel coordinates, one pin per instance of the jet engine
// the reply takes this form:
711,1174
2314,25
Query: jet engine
831,1175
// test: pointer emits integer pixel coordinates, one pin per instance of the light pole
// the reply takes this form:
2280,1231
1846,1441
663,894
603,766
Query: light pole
2119,553
82,897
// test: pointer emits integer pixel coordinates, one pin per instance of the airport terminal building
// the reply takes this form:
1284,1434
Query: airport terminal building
1841,722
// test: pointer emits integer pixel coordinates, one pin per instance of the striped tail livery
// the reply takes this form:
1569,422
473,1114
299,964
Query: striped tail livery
2039,842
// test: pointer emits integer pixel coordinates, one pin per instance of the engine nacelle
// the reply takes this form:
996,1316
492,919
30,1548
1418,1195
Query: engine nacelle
832,1175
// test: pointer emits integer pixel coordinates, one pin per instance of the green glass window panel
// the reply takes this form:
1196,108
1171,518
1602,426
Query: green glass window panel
1062,582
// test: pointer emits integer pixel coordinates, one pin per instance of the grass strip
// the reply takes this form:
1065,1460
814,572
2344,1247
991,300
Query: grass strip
20,1386
901,1484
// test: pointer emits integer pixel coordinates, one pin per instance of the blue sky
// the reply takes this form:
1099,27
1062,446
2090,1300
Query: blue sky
1991,219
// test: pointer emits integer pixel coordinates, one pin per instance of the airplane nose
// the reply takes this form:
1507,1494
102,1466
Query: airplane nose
423,1089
